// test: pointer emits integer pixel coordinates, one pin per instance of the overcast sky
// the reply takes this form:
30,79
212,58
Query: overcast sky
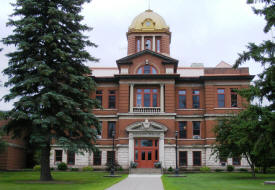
203,31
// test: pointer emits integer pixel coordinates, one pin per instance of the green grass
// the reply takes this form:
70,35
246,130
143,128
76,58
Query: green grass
64,180
219,181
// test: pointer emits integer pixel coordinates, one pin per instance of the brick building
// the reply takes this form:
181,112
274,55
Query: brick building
147,98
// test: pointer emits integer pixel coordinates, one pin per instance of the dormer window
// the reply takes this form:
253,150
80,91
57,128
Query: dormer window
147,69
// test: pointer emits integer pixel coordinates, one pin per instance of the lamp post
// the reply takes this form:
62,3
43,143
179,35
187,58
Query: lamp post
112,171
177,169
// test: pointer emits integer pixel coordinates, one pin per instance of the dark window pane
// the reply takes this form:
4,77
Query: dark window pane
112,92
221,100
111,128
196,128
147,69
71,158
136,154
58,155
147,100
146,143
136,142
142,155
99,92
110,156
149,155
236,161
155,100
196,101
182,129
182,102
156,142
97,158
196,158
156,155
99,98
183,158
234,99
112,101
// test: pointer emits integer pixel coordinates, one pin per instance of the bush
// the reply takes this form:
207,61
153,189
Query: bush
170,169
243,170
87,169
157,164
270,170
74,169
219,170
116,166
133,164
257,170
37,168
205,169
62,166
230,168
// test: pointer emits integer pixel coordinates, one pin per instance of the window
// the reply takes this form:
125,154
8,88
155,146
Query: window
196,128
236,161
99,96
58,155
158,45
234,98
148,44
111,128
99,133
146,143
221,103
112,99
182,129
182,99
97,158
196,98
138,45
147,98
183,158
110,156
223,161
197,158
147,69
70,158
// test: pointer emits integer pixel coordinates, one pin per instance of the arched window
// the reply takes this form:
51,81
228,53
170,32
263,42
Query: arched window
147,69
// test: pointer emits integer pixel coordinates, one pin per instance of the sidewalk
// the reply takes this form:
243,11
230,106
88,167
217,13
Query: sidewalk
139,182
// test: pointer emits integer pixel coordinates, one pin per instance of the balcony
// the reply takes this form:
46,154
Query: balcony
146,109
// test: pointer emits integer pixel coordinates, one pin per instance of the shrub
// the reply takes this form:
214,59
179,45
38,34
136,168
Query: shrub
219,170
257,170
270,170
62,166
133,164
205,169
230,168
116,166
243,170
170,169
37,168
87,169
74,169
157,164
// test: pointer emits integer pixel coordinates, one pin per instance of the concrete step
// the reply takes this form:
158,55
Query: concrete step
145,171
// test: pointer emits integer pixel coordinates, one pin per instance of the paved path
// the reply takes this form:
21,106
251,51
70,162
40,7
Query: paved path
139,182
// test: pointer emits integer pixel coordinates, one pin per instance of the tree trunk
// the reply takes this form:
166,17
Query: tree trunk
253,170
45,173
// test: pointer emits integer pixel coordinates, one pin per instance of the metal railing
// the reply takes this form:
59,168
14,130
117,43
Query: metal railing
146,109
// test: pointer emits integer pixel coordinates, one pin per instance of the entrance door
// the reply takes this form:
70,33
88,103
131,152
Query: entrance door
146,152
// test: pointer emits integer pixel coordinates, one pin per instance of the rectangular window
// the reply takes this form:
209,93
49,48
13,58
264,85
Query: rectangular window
221,98
236,161
111,128
97,158
112,99
197,158
158,45
196,128
138,45
182,158
99,96
147,98
58,155
110,156
182,99
148,44
182,129
99,133
196,98
234,98
70,158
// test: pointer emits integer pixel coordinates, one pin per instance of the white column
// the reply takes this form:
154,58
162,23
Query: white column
161,97
154,43
131,97
161,150
131,148
142,43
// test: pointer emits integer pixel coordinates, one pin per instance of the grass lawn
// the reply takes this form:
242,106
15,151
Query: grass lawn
219,181
64,181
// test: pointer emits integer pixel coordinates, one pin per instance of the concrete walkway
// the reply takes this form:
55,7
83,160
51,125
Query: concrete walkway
139,182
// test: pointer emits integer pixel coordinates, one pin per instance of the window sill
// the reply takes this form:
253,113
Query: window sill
228,108
193,109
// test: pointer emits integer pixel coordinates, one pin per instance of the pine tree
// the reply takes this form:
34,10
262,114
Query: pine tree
49,81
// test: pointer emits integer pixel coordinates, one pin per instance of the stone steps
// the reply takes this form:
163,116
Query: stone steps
145,171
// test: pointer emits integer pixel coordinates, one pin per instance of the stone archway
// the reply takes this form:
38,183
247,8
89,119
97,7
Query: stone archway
146,129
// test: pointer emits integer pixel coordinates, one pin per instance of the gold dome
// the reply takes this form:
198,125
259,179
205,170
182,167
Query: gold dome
148,21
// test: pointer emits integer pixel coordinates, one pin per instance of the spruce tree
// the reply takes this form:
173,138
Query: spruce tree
48,79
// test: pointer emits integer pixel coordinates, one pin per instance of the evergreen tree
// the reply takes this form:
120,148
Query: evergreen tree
48,78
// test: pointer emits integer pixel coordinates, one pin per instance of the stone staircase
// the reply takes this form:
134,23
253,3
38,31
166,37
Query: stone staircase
145,171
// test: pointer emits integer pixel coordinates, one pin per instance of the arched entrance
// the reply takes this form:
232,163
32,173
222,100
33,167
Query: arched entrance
146,143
